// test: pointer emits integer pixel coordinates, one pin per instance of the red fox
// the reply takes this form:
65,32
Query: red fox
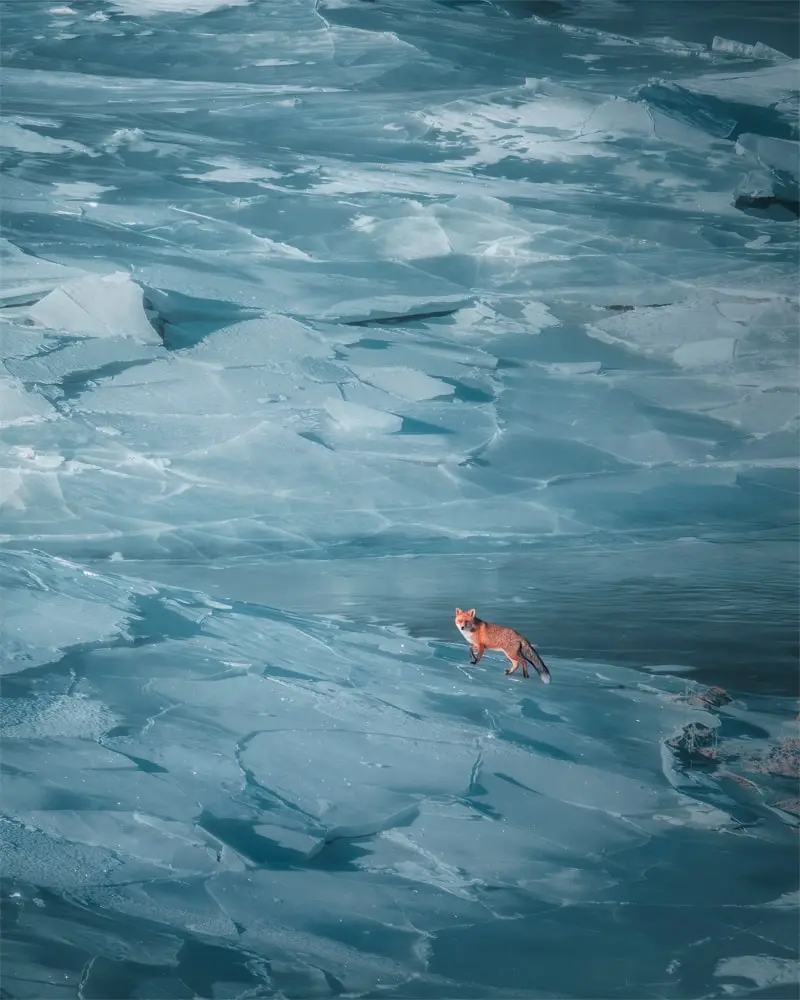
484,635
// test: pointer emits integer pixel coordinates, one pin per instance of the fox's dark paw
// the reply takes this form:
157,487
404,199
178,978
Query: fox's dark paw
508,671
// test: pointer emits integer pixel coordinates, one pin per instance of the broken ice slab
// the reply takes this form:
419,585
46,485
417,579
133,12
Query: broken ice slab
758,51
782,155
110,305
407,383
355,418
25,277
19,406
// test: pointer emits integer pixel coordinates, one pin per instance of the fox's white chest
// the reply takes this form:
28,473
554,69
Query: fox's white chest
466,632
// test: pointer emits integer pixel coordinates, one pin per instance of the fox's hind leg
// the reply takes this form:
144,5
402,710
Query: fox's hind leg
515,665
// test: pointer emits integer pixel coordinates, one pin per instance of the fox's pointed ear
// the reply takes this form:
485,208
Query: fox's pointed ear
459,611
471,612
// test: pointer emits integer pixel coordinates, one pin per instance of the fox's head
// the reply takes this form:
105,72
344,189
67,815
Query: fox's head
465,619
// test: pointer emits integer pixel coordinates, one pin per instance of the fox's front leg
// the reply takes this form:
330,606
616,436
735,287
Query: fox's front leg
475,653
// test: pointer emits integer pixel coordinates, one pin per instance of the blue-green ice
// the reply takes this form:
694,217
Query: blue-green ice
318,319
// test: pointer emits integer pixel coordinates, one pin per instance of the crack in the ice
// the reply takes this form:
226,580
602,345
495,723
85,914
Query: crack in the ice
397,320
151,719
356,732
326,24
252,782
475,772
397,708
86,971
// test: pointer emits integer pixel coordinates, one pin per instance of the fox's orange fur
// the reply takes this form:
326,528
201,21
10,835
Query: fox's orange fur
484,635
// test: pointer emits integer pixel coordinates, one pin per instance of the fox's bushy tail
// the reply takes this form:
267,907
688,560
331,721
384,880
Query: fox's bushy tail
530,654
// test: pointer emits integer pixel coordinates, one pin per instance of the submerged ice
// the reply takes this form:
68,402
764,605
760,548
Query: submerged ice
316,321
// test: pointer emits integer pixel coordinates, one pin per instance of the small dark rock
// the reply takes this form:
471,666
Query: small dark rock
715,697
694,743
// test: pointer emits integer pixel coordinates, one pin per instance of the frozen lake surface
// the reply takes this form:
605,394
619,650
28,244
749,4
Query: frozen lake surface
319,318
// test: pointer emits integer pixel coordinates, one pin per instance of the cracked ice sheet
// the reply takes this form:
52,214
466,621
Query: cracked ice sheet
434,852
24,277
242,713
293,725
133,451
47,609
20,407
130,469
642,458
148,8
765,86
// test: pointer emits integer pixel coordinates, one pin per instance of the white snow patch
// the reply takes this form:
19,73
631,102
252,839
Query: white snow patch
80,190
764,971
13,136
538,316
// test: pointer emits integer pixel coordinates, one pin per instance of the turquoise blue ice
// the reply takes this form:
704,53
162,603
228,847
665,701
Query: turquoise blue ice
319,318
